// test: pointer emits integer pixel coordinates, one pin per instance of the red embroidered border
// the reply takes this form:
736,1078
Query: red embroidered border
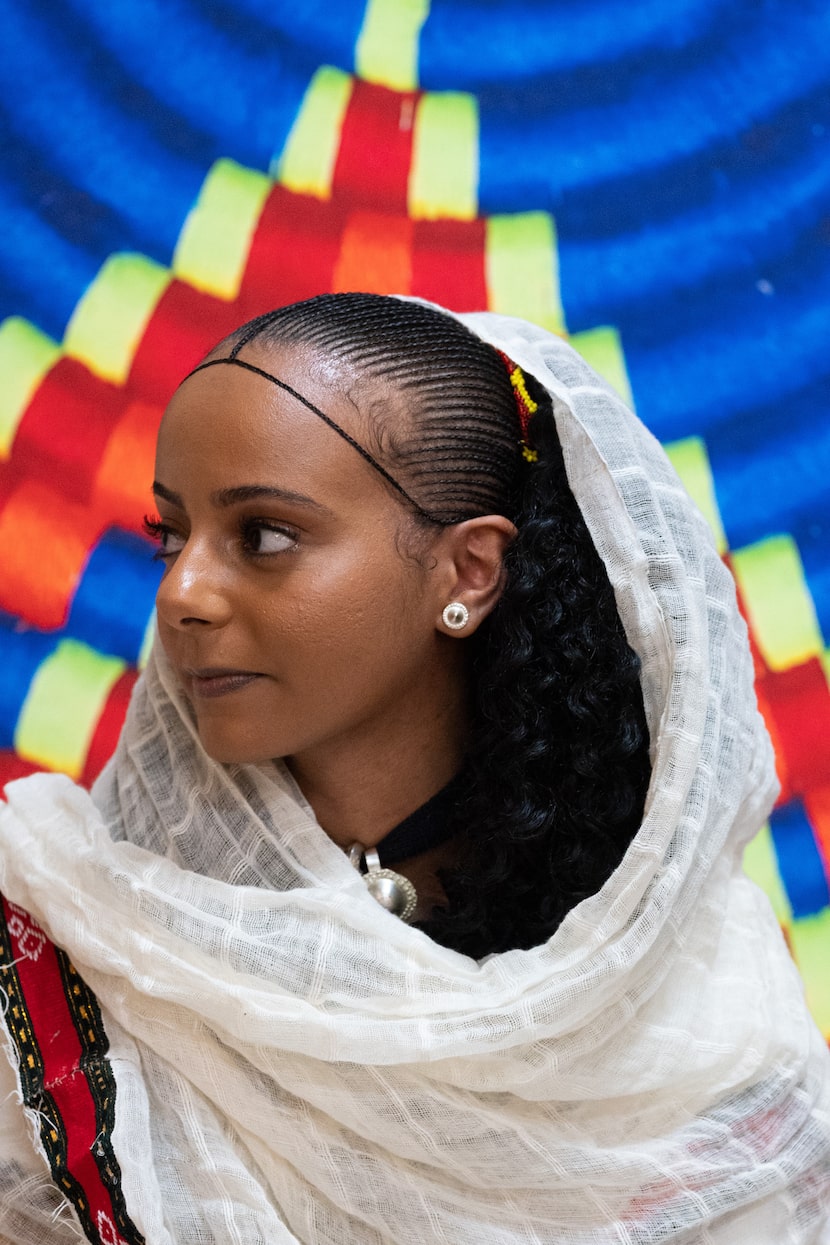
55,1023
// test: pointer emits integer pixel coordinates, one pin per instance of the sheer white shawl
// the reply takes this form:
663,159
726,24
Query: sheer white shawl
293,1064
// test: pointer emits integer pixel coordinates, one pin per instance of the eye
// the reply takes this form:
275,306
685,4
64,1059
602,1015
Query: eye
261,537
169,542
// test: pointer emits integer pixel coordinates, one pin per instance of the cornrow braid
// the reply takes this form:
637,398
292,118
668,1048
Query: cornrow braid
232,360
460,456
556,770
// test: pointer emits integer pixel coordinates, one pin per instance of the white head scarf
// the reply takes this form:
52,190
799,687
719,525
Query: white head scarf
294,1064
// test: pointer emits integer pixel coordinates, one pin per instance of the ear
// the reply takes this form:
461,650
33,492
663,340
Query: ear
470,568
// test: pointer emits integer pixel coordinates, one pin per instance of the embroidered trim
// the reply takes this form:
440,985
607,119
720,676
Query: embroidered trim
57,1029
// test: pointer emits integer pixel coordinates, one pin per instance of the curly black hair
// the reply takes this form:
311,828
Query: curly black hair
556,771
557,759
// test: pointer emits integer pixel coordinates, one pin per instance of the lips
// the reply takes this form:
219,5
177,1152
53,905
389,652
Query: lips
210,681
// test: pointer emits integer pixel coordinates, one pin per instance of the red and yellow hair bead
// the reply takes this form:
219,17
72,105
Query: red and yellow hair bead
524,404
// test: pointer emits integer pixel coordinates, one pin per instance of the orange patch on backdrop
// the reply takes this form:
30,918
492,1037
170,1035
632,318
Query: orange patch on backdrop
124,481
375,254
46,542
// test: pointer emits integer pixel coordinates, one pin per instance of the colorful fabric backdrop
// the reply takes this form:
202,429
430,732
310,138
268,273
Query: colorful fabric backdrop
651,179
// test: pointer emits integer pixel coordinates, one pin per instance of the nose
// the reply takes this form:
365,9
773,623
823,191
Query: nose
192,592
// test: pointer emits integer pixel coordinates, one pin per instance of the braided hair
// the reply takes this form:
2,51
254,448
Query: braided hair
556,763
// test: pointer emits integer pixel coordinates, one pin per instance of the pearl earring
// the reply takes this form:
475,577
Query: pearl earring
455,616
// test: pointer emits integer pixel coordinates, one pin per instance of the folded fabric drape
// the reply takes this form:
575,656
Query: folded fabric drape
294,1064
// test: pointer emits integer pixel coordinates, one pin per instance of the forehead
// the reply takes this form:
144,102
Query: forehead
225,420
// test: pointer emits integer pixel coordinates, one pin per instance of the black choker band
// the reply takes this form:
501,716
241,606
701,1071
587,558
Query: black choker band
429,826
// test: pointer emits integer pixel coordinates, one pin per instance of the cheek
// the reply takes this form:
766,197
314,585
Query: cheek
352,627
336,660
360,592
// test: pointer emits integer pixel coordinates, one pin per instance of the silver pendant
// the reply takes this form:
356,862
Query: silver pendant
392,890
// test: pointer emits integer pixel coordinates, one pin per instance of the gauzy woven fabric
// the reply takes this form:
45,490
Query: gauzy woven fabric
294,1064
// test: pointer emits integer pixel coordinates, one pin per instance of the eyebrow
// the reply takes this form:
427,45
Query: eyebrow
246,492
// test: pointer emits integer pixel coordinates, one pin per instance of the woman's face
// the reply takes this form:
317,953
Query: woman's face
286,608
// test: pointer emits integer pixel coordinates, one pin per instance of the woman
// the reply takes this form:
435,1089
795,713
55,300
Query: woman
409,560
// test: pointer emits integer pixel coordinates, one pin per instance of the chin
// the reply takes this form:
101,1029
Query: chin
231,749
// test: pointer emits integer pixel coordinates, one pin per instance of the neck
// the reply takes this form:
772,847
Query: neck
362,787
